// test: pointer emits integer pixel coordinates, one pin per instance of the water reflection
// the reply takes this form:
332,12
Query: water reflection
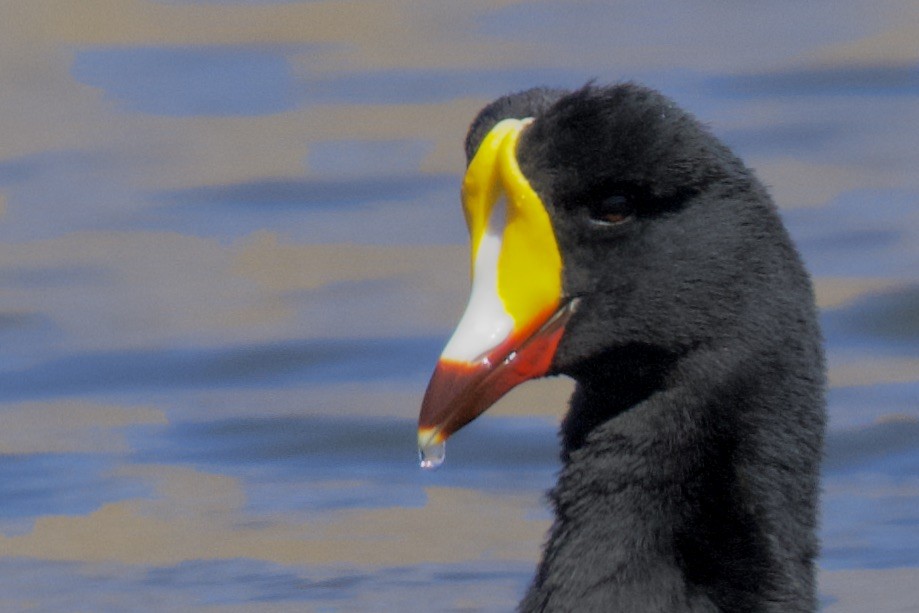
232,250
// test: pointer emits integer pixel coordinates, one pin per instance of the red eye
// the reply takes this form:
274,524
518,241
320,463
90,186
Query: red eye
614,218
612,211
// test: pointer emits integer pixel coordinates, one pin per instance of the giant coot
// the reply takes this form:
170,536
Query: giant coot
616,241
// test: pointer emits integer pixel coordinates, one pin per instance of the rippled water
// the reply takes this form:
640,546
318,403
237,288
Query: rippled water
231,250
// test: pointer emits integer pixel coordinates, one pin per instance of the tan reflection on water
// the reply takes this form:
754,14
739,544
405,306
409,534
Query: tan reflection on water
200,288
149,289
870,590
198,516
70,426
897,44
836,292
873,370
401,33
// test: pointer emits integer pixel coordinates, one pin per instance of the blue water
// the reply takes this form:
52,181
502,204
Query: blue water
231,250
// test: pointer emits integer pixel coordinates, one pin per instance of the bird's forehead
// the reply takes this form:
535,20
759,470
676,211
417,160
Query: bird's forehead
492,174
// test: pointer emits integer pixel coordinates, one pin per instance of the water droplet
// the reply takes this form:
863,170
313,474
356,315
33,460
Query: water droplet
432,455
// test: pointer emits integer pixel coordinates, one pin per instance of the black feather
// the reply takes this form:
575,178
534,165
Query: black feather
692,445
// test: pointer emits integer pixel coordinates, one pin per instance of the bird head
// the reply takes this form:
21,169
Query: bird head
609,230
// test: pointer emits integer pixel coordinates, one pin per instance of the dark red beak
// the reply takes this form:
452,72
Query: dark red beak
458,392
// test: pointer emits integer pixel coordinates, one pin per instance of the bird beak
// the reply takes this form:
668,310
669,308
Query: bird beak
516,312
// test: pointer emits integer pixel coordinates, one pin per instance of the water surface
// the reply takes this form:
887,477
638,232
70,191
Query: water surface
231,249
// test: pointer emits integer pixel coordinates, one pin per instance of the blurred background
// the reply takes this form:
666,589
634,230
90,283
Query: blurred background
231,249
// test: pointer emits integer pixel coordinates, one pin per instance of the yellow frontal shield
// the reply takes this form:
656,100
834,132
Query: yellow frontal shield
529,264
515,317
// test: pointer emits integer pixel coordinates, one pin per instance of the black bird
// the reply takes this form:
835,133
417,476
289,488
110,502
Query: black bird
616,241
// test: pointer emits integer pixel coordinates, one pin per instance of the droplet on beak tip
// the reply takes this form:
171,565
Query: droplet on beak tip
432,455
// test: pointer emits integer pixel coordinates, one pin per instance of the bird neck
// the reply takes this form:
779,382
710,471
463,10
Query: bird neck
674,502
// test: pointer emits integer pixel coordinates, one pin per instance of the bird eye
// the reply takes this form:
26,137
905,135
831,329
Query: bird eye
612,210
